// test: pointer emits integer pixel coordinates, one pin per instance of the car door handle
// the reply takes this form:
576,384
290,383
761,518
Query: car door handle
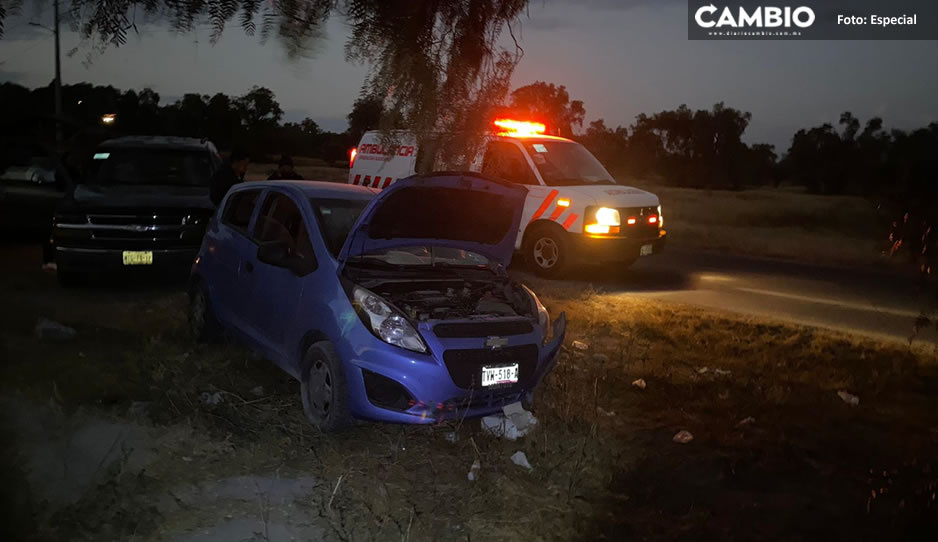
249,267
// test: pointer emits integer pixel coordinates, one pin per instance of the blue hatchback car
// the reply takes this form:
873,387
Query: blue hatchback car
391,306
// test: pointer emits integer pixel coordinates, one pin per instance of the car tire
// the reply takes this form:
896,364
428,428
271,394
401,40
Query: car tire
547,251
202,321
323,389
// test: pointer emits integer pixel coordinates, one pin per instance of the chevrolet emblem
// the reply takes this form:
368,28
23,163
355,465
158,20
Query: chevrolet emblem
496,342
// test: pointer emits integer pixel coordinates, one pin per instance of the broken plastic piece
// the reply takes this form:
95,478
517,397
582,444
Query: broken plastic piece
683,437
580,345
849,398
639,383
474,470
521,460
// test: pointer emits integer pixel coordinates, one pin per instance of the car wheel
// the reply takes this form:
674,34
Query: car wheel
323,389
202,322
547,252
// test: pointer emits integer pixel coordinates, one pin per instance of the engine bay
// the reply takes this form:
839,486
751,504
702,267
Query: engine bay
451,299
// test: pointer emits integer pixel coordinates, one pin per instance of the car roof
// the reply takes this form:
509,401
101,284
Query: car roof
314,189
161,142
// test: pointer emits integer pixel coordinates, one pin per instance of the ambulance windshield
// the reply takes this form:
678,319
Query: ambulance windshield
565,163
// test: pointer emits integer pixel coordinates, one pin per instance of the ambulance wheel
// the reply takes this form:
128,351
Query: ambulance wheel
547,250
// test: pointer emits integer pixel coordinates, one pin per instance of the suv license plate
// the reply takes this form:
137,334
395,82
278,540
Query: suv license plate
138,258
502,374
646,250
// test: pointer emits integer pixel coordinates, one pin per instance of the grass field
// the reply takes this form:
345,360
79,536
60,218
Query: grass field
776,453
775,223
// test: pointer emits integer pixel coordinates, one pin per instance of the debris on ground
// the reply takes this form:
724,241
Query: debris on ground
474,470
138,408
520,459
606,413
601,358
722,372
580,345
749,420
53,331
514,422
639,383
257,391
848,398
211,398
451,436
703,370
683,437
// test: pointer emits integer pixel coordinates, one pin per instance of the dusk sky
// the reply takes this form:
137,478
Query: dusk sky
620,58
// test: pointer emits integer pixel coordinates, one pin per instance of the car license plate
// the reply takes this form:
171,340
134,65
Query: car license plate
501,374
138,258
645,250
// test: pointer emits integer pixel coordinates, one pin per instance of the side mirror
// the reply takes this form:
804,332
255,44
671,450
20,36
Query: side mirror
276,253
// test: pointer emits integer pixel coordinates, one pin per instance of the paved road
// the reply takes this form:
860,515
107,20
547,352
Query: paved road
872,302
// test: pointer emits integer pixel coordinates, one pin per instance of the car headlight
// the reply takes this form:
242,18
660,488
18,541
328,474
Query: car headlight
543,317
386,323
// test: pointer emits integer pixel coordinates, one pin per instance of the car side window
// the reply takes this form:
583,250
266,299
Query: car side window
280,220
505,160
237,213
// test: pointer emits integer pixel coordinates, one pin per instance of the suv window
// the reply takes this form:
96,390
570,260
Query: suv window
238,210
505,160
280,220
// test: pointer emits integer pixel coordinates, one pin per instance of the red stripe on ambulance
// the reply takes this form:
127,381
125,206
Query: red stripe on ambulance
569,221
357,180
544,205
387,182
557,212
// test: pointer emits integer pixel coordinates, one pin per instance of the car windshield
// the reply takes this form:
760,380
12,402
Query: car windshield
150,167
564,163
336,218
426,256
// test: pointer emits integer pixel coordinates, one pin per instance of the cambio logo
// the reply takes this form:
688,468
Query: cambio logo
761,17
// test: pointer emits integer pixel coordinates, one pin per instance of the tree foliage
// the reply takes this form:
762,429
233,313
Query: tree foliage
437,65
549,104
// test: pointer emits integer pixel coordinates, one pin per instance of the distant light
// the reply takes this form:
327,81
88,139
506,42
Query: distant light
79,102
108,118
652,219
101,155
563,202
631,221
351,160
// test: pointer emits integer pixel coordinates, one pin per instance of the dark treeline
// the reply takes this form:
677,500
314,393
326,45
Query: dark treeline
253,120
704,149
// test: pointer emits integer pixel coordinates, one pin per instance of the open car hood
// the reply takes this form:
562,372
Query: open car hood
464,211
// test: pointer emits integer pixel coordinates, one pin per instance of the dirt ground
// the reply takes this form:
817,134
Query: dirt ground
129,431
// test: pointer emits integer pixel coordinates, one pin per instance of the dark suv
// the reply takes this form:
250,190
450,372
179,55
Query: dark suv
143,202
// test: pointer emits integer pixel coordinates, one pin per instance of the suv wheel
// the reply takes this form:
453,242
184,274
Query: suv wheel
322,388
202,322
546,251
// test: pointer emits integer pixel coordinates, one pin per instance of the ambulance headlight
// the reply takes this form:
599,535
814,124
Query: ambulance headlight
605,220
607,216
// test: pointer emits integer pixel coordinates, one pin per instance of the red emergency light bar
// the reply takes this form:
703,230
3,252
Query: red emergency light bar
351,157
519,128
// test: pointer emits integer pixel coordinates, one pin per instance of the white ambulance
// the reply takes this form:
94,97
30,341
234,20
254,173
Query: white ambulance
574,212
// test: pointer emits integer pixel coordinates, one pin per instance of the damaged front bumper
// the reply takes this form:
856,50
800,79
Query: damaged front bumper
391,384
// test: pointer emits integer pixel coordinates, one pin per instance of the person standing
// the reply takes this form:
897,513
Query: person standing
230,173
285,171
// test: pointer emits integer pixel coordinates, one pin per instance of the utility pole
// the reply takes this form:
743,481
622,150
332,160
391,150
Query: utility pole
58,84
